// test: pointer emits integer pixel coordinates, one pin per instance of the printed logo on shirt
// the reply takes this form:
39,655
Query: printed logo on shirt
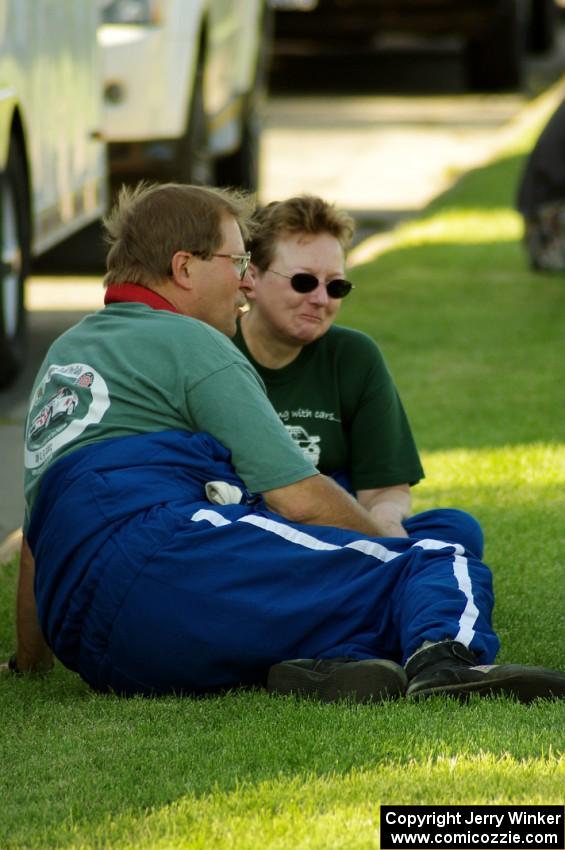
306,413
68,399
308,443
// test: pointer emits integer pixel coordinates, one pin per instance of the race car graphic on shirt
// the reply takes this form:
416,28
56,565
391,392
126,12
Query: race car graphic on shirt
308,443
62,403
68,399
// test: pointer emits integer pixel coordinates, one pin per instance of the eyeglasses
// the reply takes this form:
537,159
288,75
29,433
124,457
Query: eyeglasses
240,261
303,282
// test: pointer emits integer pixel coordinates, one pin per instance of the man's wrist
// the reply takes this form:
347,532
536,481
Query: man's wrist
42,665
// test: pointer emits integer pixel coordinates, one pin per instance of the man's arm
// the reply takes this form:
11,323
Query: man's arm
388,506
318,500
32,653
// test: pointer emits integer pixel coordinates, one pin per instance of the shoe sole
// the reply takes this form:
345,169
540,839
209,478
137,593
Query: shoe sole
371,682
524,684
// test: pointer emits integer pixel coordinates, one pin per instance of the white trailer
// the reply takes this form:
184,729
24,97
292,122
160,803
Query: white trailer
53,169
183,82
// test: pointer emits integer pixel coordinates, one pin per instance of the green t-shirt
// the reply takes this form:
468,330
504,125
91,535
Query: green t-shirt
339,404
129,369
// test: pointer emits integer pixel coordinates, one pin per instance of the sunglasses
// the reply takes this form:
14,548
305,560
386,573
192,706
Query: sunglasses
303,282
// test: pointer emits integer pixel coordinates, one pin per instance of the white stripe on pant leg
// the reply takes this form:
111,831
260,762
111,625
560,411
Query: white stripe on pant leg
213,517
469,616
375,550
280,529
430,543
299,538
288,532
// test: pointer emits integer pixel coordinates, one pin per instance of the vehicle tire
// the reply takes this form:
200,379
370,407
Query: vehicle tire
495,56
240,170
194,163
14,264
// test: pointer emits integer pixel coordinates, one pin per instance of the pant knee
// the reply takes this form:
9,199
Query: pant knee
450,524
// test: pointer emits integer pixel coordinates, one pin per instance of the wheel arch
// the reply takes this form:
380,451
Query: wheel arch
12,133
15,249
17,137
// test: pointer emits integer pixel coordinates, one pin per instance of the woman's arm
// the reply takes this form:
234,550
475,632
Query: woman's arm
388,506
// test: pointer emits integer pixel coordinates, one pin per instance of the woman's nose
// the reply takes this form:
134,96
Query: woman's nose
320,294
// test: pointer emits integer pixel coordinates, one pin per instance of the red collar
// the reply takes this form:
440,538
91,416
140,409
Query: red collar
134,292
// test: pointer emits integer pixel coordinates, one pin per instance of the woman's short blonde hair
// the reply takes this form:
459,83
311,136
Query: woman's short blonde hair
151,222
301,214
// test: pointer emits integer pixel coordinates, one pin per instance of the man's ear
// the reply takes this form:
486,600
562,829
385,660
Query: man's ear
180,269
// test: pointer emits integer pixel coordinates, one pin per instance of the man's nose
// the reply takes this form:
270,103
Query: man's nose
248,282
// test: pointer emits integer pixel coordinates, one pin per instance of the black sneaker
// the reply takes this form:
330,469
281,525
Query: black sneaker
333,679
451,669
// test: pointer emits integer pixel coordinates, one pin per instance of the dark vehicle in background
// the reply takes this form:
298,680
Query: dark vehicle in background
494,35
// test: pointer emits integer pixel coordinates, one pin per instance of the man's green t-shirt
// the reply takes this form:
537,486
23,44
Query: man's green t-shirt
129,369
340,405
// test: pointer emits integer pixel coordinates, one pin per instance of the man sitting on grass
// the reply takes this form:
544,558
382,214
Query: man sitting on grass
177,540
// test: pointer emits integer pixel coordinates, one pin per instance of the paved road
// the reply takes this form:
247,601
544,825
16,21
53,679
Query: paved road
381,157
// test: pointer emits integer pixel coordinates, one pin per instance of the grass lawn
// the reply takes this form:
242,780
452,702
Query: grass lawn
477,346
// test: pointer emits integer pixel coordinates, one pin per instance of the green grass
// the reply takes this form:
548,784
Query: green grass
477,346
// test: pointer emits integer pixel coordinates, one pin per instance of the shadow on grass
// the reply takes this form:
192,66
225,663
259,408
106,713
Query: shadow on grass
474,338
475,341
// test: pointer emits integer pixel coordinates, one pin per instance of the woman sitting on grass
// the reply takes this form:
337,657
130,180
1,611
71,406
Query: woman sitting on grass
330,385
